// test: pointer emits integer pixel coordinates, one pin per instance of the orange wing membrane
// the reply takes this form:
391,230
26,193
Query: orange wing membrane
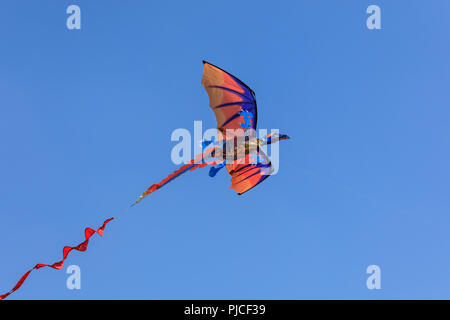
249,173
234,105
232,101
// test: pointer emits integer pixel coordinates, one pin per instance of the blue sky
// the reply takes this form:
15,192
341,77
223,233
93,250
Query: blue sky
85,125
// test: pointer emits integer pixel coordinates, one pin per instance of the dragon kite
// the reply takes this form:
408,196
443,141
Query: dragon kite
237,147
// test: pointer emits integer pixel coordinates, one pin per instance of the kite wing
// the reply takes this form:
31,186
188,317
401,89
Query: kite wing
232,101
249,173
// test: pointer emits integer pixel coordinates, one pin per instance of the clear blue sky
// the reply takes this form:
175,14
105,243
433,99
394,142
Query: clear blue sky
85,125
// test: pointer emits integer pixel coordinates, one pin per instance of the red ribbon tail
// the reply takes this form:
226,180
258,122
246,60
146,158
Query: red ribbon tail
88,232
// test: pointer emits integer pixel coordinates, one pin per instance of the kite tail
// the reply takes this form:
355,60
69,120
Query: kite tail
88,232
192,165
198,162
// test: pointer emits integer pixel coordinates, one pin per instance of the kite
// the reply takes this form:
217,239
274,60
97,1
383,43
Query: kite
237,148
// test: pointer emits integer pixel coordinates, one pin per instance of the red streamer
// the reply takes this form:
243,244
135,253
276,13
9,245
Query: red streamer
190,166
88,232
